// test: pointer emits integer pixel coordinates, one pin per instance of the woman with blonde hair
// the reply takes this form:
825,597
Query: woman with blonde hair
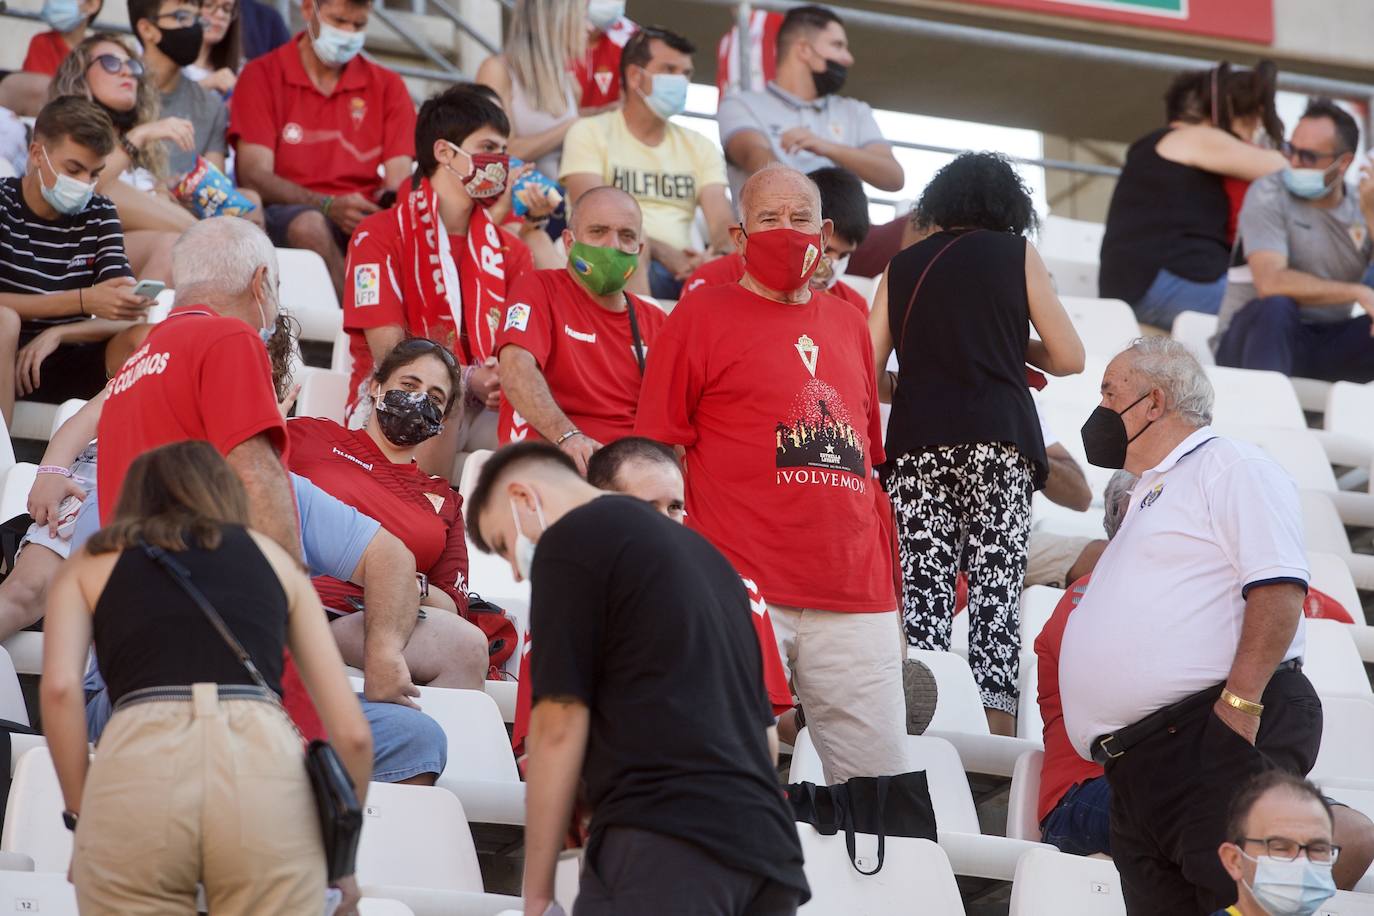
103,70
199,778
534,78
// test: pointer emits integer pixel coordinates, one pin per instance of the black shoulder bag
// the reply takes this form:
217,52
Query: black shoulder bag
880,805
336,799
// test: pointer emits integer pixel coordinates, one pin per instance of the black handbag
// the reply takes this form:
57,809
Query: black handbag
336,798
880,805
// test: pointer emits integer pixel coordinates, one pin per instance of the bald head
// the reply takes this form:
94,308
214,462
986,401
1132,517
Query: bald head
606,217
776,197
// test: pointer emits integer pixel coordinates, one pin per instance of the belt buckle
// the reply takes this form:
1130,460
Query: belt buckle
1102,743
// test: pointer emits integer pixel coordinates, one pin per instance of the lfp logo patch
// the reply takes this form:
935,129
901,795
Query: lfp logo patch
517,317
367,285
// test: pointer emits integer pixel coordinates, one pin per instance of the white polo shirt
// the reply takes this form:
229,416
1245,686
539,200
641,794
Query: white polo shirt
1162,615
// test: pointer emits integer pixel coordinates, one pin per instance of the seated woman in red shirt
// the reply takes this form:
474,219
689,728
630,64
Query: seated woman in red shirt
69,20
415,388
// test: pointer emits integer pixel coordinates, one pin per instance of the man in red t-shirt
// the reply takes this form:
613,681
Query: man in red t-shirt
404,280
598,73
769,387
843,203
573,344
313,123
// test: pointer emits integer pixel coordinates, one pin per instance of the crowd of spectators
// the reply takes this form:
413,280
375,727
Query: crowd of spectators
545,263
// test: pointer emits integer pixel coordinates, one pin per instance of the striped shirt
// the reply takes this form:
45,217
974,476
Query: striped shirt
50,256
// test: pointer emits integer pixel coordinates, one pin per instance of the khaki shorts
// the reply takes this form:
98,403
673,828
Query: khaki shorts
1050,558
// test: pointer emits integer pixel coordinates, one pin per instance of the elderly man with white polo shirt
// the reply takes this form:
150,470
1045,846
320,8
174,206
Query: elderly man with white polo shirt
1181,670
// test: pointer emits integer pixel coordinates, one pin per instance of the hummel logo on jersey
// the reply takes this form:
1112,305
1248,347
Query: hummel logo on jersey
580,335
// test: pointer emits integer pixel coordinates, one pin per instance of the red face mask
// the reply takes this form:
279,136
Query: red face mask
487,179
782,259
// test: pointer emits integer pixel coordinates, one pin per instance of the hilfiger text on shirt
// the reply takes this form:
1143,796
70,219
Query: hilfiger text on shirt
141,364
842,479
659,185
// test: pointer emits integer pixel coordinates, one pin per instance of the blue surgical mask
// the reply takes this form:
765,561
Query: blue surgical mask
605,13
524,547
1296,888
62,15
669,96
67,195
335,46
1309,184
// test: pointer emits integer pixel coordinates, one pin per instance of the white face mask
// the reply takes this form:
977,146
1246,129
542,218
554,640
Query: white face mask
524,547
1296,888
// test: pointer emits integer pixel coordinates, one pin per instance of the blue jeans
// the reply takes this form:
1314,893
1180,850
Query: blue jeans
1269,333
1170,294
1081,824
662,283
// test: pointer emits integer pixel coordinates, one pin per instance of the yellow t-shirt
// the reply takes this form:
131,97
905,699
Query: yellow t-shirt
667,179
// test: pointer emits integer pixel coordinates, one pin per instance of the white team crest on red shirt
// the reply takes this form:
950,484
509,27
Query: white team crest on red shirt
603,80
436,501
292,133
808,350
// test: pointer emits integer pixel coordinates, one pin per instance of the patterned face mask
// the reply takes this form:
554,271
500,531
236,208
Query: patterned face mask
408,418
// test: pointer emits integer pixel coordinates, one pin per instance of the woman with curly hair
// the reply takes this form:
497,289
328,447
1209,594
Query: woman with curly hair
963,441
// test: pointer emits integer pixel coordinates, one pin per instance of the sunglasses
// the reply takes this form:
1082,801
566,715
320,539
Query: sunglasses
1306,157
112,64
421,345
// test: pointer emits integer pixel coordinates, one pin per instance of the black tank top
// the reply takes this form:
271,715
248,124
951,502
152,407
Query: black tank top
1162,215
149,633
962,375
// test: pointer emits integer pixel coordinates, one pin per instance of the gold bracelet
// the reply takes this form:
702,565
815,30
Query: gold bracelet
1246,706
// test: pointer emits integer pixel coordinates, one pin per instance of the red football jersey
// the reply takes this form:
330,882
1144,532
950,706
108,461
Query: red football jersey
729,268
586,353
423,511
777,407
598,73
47,50
198,375
763,53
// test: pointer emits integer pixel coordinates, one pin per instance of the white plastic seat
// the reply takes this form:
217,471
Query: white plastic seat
1029,724
1347,748
503,692
1066,237
11,697
32,420
1297,451
491,576
376,906
14,492
472,468
1331,661
341,358
1023,798
1254,397
913,870
864,286
49,894
1345,424
1106,326
1193,330
959,717
1072,277
1051,883
416,848
33,816
65,411
323,394
1348,903
307,294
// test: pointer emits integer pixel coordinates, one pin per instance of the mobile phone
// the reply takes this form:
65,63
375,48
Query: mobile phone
149,289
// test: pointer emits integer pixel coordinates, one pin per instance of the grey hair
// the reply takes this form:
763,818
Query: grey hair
1116,498
1169,365
219,256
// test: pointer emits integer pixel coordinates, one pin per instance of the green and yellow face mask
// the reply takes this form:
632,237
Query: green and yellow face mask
603,271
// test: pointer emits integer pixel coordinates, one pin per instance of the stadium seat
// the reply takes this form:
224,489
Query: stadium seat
1251,397
472,468
307,293
65,411
1296,450
1106,326
1051,883
376,906
417,849
491,577
1347,748
1065,237
11,697
1332,663
959,717
49,894
32,420
1029,725
33,816
503,692
1024,797
323,394
1348,903
1071,277
1345,423
956,818
864,286
14,492
1193,330
6,447
913,870
341,359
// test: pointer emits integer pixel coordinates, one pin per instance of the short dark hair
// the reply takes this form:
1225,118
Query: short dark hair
979,191
500,462
454,115
1258,786
804,20
144,9
843,202
638,53
1346,128
85,122
604,466
413,349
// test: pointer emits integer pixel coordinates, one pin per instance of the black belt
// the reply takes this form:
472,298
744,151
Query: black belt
1111,746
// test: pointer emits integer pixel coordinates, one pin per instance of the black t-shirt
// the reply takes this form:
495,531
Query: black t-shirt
647,624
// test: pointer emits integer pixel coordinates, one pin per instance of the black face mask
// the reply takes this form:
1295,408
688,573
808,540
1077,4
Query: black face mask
408,418
1104,436
182,46
830,80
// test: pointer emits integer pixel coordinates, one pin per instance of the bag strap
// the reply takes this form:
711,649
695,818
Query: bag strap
182,576
849,843
901,339
634,331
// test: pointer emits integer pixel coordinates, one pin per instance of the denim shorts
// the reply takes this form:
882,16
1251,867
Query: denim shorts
1169,295
1081,824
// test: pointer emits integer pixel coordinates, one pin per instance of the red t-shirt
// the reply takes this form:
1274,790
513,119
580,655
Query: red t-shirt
423,511
586,353
330,144
198,375
598,73
47,50
1063,768
373,285
777,406
729,268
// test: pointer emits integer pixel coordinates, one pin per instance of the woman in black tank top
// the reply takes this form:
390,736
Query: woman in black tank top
963,440
199,778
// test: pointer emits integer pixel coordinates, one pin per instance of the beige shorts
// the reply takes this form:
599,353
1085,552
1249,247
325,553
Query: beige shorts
1050,558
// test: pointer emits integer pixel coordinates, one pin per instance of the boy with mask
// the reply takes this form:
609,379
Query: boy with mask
573,342
668,169
799,119
314,124
64,272
404,279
